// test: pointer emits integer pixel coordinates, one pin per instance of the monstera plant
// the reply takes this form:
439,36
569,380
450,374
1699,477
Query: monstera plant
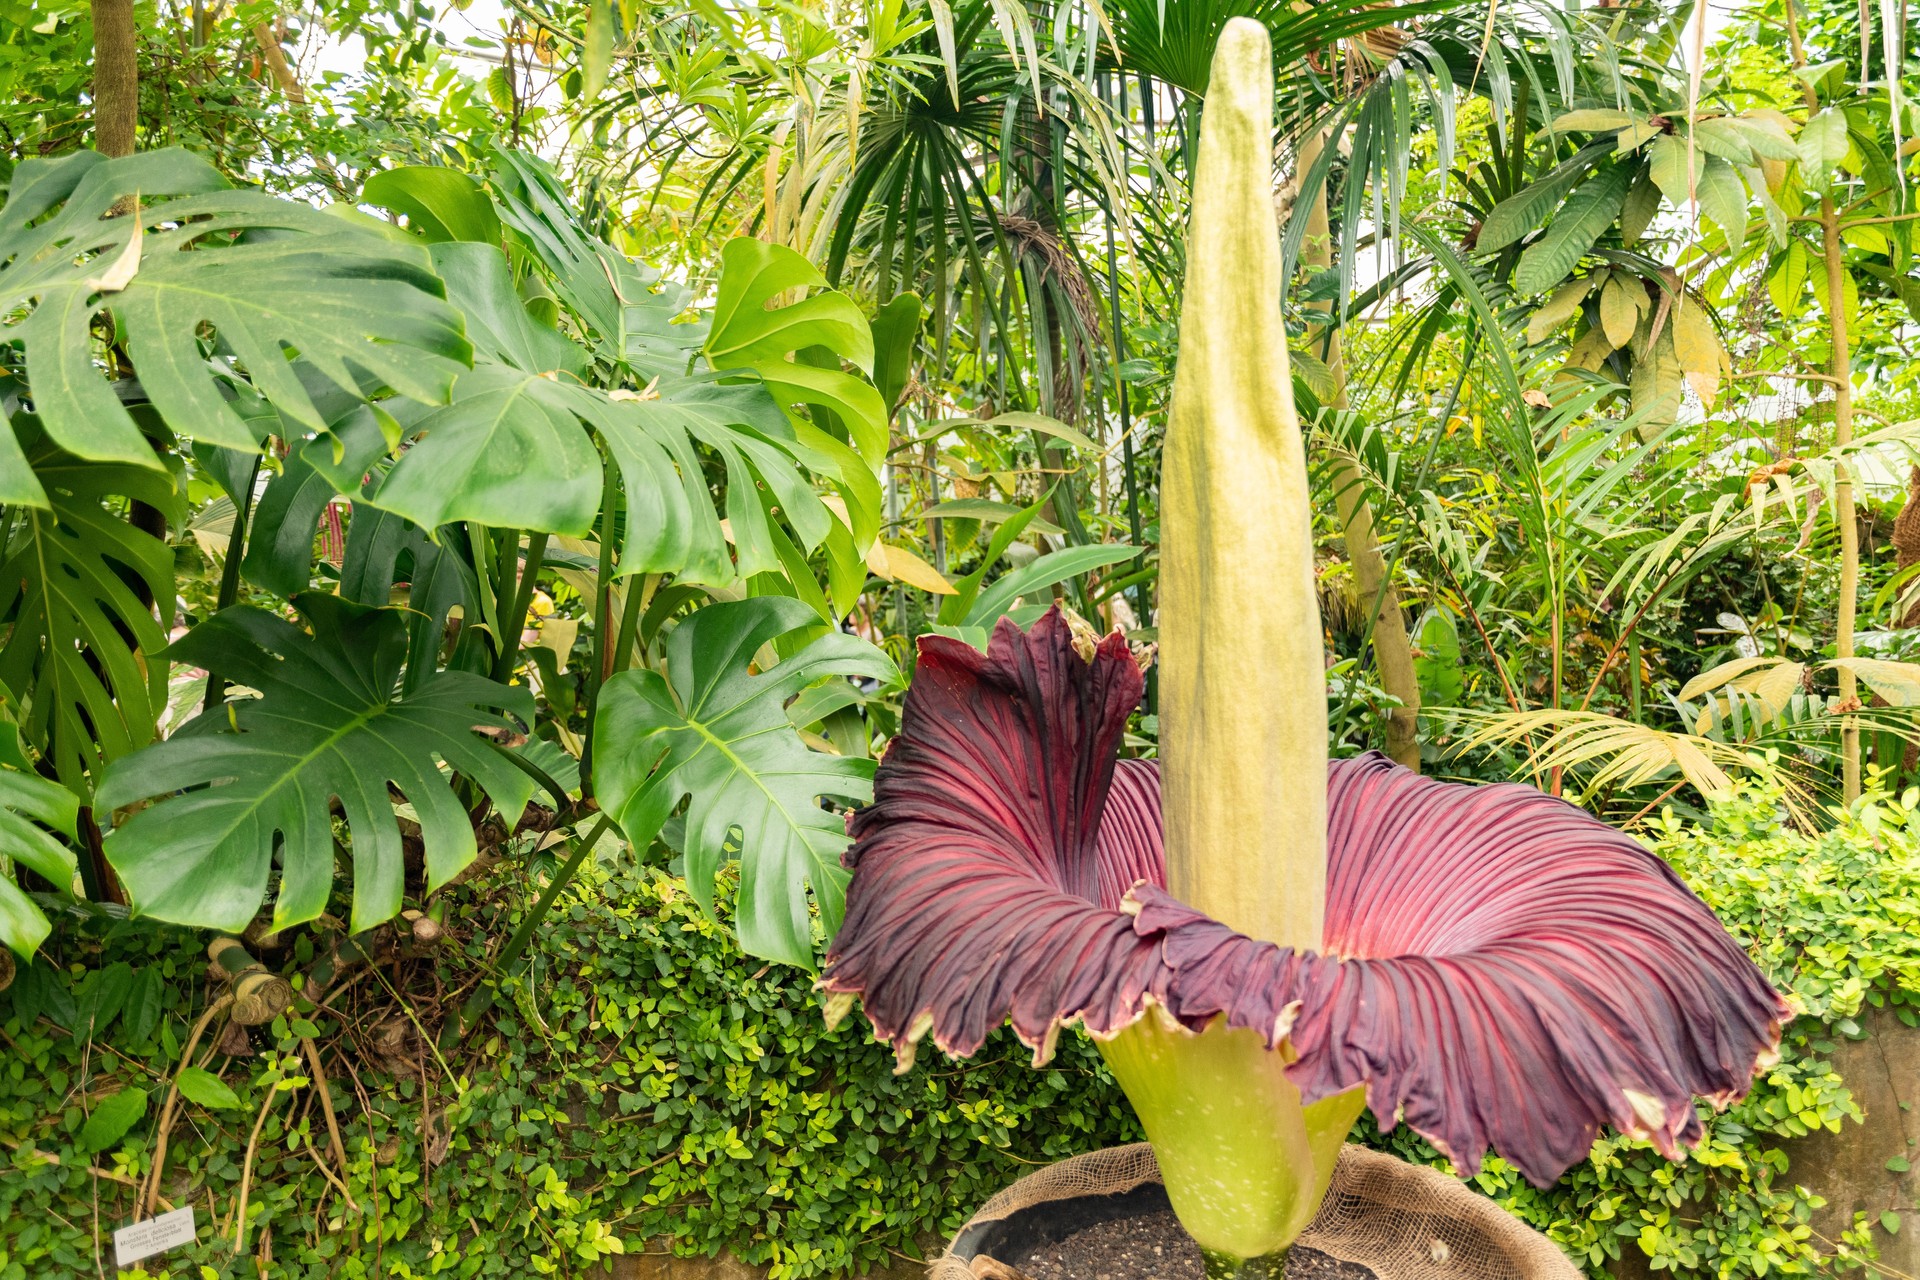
1261,943
478,401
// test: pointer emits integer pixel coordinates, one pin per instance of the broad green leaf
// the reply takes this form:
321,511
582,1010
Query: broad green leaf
1635,136
279,555
350,302
1561,306
625,305
1637,210
596,52
1673,169
1587,213
747,334
77,644
499,324
715,733
1723,199
1724,138
111,1118
1822,144
1657,386
1592,121
1043,425
986,510
1050,569
141,1017
507,450
439,203
256,777
33,810
384,551
1787,282
896,330
954,609
206,1089
1437,664
514,448
1526,209
1872,239
1767,137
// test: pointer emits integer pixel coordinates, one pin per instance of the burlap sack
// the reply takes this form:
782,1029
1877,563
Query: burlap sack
1402,1221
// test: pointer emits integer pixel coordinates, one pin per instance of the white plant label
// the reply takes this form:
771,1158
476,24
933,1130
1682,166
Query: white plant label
155,1235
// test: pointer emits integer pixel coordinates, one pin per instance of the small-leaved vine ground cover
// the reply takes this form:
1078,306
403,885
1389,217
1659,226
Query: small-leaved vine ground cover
646,1082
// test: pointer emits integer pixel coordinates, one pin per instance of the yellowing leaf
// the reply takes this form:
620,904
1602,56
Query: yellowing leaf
1592,121
1634,135
1619,314
1897,682
1697,347
1559,308
897,564
1590,350
1724,674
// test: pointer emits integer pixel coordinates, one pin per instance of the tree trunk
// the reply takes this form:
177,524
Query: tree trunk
116,84
1392,651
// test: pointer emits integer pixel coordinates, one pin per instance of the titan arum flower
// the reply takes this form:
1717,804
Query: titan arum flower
1262,943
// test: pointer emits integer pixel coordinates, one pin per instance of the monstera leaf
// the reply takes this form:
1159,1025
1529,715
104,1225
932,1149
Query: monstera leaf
264,772
77,643
627,307
83,234
32,809
746,334
715,730
514,447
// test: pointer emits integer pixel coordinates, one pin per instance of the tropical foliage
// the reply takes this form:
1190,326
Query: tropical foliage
522,447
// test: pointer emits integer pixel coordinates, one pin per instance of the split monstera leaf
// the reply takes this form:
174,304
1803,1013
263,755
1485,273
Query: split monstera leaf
1263,943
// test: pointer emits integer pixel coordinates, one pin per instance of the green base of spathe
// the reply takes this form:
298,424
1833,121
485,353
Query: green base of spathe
1245,1164
1224,1266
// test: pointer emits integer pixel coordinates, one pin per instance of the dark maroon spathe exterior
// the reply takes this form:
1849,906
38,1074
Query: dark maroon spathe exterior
1501,969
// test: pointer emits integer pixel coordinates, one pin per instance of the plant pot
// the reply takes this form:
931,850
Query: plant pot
1101,1216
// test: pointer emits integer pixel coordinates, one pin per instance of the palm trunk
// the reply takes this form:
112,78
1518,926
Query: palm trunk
1392,651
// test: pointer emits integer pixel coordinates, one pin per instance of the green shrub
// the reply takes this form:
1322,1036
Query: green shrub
644,1080
647,1081
1833,920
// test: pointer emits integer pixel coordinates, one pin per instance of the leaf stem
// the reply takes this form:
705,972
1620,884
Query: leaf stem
483,996
637,596
230,573
516,620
